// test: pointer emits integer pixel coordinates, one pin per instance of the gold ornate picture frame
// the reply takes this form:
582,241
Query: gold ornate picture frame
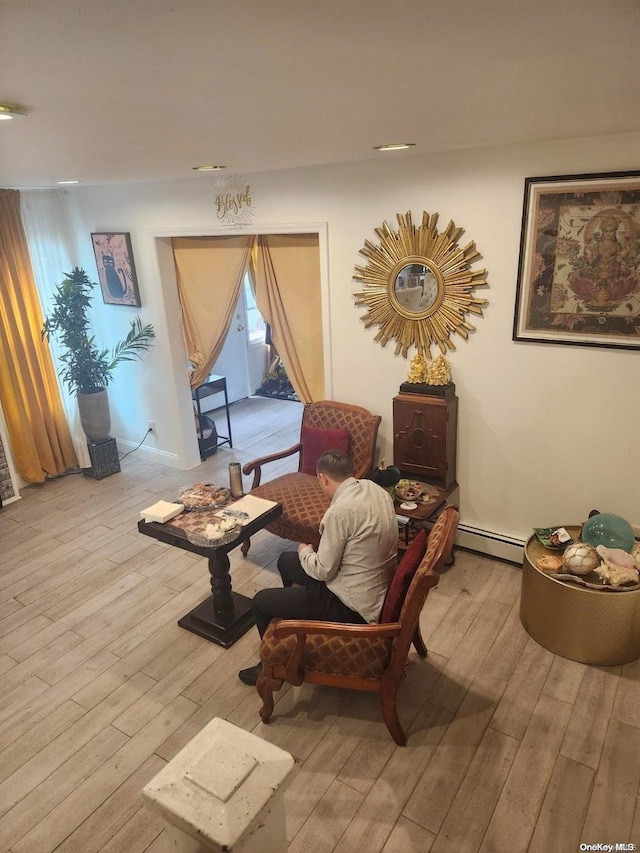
418,284
579,268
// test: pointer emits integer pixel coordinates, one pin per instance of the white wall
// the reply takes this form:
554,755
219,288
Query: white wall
546,432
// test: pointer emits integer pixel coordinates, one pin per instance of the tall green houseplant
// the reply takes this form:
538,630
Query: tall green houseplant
85,369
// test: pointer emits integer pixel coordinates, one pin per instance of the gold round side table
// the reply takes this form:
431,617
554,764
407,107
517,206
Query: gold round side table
600,627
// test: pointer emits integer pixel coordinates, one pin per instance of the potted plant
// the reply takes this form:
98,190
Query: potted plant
85,369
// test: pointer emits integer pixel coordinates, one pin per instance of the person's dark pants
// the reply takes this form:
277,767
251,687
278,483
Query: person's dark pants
309,599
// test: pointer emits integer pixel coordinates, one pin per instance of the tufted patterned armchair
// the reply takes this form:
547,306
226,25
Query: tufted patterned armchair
303,501
360,657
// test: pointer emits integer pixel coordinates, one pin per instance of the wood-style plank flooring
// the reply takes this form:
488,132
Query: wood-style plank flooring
510,747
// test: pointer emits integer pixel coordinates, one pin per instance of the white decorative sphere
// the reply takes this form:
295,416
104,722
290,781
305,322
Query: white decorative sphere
635,553
580,558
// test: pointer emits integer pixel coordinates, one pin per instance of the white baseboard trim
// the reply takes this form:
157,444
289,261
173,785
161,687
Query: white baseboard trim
150,453
491,543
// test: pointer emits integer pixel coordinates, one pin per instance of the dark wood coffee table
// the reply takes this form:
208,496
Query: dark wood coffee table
226,615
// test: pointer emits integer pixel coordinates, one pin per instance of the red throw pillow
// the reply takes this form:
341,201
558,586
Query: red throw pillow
316,441
401,581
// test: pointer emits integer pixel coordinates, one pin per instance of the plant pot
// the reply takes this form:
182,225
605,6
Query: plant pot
94,415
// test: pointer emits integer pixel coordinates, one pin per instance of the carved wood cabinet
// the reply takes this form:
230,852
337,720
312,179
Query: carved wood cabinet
425,434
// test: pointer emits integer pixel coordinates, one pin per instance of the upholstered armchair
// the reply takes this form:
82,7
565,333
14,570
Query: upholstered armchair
361,657
326,425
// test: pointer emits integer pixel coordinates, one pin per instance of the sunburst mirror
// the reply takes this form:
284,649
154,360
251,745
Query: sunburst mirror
418,284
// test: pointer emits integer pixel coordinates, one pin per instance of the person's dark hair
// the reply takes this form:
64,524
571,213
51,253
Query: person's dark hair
336,464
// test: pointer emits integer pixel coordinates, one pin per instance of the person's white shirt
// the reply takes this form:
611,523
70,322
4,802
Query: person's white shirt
357,555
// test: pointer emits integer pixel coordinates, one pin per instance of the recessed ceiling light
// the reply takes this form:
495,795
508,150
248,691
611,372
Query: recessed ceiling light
67,182
207,168
8,112
394,146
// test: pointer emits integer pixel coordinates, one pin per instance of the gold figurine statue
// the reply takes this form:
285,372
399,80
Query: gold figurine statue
439,372
417,370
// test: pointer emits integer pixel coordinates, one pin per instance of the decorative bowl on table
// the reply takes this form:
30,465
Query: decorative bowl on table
408,490
219,531
429,493
555,538
203,496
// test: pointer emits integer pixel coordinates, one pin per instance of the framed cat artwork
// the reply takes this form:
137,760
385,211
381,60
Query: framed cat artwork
116,269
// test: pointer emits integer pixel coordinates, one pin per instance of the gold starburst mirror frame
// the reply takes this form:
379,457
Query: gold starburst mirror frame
418,284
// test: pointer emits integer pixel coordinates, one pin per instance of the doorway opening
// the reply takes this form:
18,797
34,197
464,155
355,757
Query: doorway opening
276,383
165,241
244,356
251,366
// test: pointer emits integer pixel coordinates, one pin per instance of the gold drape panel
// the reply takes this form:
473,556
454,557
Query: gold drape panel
40,440
287,274
209,272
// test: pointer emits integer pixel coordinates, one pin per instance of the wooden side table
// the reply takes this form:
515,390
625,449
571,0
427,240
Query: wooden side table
422,514
599,627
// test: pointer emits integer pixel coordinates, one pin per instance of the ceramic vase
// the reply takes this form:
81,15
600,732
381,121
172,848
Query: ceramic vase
94,415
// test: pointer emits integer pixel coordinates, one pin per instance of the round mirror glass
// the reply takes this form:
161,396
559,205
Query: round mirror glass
416,288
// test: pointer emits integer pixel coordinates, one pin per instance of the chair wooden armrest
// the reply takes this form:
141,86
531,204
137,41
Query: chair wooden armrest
294,627
256,465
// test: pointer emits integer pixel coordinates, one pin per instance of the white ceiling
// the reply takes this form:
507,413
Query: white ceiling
131,90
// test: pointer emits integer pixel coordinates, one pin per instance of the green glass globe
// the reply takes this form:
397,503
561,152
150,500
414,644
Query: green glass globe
609,530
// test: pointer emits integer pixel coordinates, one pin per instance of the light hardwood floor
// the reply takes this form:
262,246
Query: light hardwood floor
510,747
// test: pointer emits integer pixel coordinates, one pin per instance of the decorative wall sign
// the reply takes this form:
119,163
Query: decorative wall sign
116,270
234,205
418,284
579,270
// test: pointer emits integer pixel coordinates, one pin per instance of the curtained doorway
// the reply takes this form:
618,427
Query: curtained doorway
244,357
304,280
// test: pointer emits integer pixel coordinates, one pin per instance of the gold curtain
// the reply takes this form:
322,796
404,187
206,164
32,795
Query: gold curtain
38,432
287,274
209,272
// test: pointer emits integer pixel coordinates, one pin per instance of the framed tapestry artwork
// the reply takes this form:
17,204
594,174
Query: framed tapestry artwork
116,270
579,268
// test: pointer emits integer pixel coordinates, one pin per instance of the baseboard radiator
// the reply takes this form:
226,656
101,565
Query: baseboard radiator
491,543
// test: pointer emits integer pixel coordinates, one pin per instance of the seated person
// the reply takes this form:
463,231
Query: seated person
346,580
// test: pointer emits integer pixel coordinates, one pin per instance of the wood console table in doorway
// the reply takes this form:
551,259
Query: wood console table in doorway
226,615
